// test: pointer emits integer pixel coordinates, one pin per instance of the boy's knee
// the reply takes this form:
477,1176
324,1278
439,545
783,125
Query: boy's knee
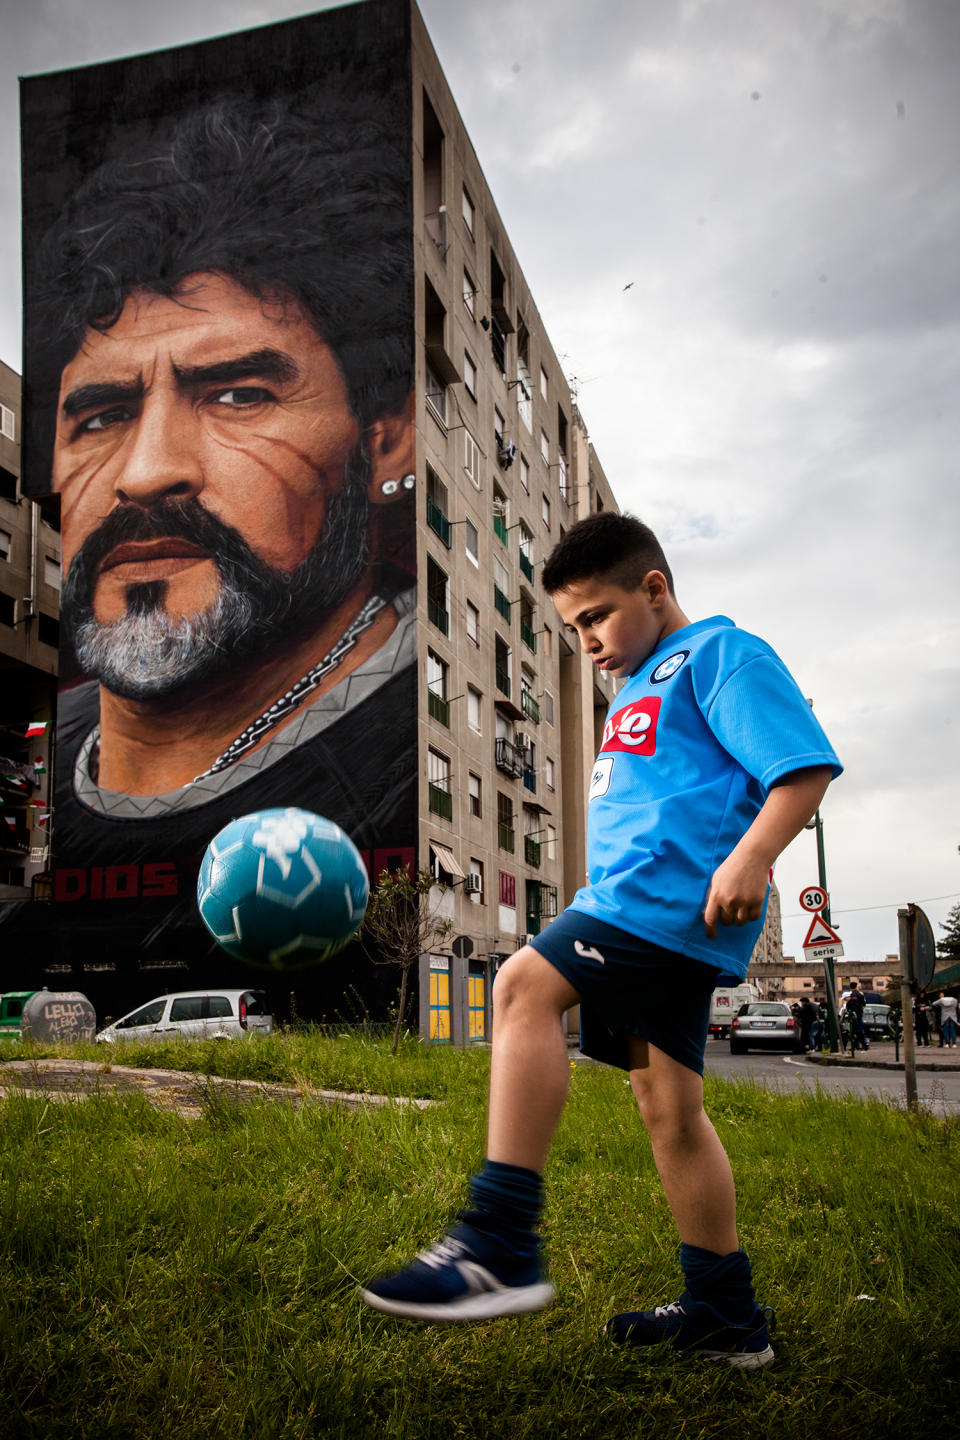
527,979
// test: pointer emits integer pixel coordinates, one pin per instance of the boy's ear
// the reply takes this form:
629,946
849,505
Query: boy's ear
391,453
655,583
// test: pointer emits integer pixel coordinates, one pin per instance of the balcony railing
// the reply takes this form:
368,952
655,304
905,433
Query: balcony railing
530,707
528,636
438,522
438,614
505,837
531,852
509,759
503,679
501,602
440,801
438,707
526,565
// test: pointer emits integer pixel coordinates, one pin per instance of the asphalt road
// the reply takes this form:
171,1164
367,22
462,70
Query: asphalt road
937,1090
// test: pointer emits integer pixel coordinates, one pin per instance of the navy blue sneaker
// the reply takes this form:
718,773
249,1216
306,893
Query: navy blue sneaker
467,1276
690,1324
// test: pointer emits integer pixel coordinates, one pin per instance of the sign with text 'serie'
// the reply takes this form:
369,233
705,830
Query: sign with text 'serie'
822,942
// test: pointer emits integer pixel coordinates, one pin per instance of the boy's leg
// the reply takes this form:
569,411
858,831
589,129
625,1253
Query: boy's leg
717,1314
489,1264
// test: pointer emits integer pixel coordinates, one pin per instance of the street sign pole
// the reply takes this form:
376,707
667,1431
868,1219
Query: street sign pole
906,925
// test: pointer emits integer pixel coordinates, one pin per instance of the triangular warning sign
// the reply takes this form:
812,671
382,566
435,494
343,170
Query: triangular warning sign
820,932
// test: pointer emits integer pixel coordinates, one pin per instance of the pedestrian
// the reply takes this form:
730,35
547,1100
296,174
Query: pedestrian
946,1008
710,752
809,1017
855,1004
921,1018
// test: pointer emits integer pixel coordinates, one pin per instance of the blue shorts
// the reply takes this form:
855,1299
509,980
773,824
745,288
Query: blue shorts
628,986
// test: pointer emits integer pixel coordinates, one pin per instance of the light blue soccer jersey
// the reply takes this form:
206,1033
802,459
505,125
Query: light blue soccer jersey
692,743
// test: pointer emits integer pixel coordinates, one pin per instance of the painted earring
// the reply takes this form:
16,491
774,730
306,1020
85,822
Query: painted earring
390,487
409,481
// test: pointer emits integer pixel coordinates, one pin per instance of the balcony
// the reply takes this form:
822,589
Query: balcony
501,602
500,528
438,708
440,801
509,759
438,614
530,779
528,636
531,852
503,678
438,522
506,837
526,565
530,707
436,227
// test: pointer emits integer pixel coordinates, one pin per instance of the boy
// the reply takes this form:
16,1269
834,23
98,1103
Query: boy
711,762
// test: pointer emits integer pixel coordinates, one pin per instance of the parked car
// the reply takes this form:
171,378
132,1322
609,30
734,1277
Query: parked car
194,1015
766,1023
878,1021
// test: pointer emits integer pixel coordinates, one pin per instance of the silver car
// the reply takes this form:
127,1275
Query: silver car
766,1023
194,1015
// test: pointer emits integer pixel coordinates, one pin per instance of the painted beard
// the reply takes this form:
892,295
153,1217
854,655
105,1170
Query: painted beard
145,655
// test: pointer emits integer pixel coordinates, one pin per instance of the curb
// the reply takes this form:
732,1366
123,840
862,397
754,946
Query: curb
843,1060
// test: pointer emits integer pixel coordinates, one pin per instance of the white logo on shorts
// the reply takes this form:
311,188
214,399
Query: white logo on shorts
587,952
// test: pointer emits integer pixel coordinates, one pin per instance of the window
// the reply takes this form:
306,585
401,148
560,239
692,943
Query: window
471,541
501,515
544,447
6,540
438,608
474,705
48,630
545,511
8,423
501,586
551,842
543,382
467,210
436,394
501,661
526,551
550,774
548,707
438,705
473,624
525,474
469,375
438,784
469,295
476,868
6,609
437,501
508,889
51,571
471,458
505,831
547,640
475,787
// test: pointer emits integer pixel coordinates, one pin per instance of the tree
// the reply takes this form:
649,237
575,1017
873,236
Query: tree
949,947
399,927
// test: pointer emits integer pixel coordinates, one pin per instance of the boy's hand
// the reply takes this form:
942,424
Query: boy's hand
737,892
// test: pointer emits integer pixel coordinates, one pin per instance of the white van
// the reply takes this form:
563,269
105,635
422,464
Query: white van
725,1003
194,1015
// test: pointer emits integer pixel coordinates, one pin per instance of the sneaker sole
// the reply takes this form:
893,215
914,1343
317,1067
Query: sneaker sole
487,1305
741,1359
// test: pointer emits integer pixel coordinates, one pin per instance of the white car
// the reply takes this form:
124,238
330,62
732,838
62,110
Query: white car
194,1015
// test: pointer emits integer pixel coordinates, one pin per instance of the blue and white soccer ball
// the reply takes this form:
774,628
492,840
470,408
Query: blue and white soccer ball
282,888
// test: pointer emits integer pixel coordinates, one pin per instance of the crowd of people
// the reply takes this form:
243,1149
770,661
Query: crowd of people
935,1021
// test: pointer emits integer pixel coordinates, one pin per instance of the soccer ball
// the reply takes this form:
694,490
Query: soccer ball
282,889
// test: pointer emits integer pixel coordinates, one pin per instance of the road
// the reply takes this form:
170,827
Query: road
937,1090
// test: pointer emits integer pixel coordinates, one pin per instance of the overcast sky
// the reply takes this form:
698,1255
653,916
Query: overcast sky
777,183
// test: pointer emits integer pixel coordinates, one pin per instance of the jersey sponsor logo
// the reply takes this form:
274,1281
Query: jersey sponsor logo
633,730
600,778
668,667
588,952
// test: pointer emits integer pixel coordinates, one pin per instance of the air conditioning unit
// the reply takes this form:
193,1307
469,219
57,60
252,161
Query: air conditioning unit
522,740
472,885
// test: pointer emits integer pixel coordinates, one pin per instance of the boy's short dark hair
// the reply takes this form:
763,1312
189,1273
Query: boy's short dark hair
620,548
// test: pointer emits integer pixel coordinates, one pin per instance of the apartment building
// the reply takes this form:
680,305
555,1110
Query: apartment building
509,711
29,637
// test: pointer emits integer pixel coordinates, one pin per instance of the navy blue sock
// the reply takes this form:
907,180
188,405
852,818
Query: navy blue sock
724,1281
506,1203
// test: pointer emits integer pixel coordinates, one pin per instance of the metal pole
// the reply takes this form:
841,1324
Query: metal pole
905,926
833,1023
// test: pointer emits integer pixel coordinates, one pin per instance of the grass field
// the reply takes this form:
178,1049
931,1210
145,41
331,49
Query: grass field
172,1277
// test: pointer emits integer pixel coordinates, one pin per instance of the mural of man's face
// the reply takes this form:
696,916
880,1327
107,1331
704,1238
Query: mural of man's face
212,482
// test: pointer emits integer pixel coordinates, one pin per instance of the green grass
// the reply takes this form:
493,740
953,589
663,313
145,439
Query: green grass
163,1276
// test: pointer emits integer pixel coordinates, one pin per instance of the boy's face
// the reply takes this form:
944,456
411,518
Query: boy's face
619,628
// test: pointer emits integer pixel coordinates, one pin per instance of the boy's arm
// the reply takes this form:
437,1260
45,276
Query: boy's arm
739,885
